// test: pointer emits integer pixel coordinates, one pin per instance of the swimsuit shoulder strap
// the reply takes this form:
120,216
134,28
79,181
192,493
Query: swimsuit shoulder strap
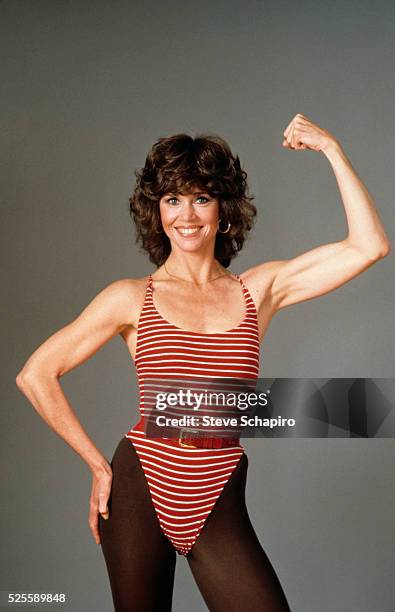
250,302
241,282
148,293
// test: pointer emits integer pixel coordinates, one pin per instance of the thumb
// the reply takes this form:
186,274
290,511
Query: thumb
104,510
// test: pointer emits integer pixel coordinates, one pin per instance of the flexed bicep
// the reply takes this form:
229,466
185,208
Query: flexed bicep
317,272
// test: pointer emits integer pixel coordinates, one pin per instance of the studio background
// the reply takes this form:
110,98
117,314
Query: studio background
87,88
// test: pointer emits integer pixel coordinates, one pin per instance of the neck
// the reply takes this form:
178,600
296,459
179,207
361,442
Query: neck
195,271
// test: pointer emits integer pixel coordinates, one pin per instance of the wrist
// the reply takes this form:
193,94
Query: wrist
100,467
333,150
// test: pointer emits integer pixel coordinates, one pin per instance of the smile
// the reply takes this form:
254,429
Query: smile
188,231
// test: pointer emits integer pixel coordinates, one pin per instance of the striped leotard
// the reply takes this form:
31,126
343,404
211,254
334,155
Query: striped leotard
185,483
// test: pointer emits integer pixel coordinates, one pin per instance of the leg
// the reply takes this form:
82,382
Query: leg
228,563
140,559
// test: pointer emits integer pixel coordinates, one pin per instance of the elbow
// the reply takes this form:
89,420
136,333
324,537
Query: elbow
379,252
373,250
23,379
386,249
27,378
383,251
384,246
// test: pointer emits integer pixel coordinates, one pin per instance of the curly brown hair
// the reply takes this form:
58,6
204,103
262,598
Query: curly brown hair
178,163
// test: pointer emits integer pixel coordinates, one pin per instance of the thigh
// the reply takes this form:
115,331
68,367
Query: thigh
228,562
140,559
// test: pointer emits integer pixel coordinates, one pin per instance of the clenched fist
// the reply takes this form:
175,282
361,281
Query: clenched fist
301,133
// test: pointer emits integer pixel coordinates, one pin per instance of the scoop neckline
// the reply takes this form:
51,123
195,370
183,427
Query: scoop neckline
187,331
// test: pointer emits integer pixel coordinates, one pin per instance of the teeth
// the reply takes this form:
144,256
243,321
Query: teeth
184,230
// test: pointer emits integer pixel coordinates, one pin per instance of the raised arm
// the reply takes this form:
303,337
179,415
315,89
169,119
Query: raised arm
327,267
104,317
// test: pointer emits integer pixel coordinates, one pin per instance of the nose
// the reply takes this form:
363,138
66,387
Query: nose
188,212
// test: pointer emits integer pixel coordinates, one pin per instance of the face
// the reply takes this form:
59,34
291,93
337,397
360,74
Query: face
189,220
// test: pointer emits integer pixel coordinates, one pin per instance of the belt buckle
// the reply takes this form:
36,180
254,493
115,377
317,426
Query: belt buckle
180,437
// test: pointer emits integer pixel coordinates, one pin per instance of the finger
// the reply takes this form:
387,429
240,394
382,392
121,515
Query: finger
298,139
298,131
289,127
298,119
305,138
286,131
94,526
302,134
288,136
103,507
294,137
301,145
303,118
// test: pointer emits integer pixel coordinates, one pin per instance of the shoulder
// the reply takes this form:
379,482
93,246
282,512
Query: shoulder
123,288
259,280
124,297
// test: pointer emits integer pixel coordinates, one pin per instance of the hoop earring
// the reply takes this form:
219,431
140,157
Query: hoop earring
160,231
227,229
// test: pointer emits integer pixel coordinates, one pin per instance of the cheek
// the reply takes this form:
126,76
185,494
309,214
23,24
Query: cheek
209,215
212,219
167,216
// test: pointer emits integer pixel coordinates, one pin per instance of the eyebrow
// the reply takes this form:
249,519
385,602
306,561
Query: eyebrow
193,193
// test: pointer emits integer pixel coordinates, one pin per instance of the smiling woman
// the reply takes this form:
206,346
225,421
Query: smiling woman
187,229
184,494
189,219
197,182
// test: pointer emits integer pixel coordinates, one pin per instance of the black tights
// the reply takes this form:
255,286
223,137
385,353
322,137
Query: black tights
227,561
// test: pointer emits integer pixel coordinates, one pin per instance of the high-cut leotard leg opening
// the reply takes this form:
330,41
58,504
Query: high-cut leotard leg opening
184,484
231,569
227,561
140,560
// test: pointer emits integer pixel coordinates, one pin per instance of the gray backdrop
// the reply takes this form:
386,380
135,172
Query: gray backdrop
88,86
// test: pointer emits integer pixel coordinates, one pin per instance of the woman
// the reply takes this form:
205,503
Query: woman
183,494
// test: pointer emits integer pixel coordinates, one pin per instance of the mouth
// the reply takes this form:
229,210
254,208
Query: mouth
188,231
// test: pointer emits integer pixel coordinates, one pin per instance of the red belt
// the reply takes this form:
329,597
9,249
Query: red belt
187,437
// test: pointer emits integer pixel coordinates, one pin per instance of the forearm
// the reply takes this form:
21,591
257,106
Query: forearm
46,395
365,229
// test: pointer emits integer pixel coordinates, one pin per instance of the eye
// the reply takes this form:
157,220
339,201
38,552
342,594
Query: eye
170,200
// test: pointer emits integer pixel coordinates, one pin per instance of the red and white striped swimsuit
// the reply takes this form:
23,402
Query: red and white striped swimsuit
185,483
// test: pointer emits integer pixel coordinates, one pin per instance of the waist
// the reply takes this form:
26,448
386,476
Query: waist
194,438
187,436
